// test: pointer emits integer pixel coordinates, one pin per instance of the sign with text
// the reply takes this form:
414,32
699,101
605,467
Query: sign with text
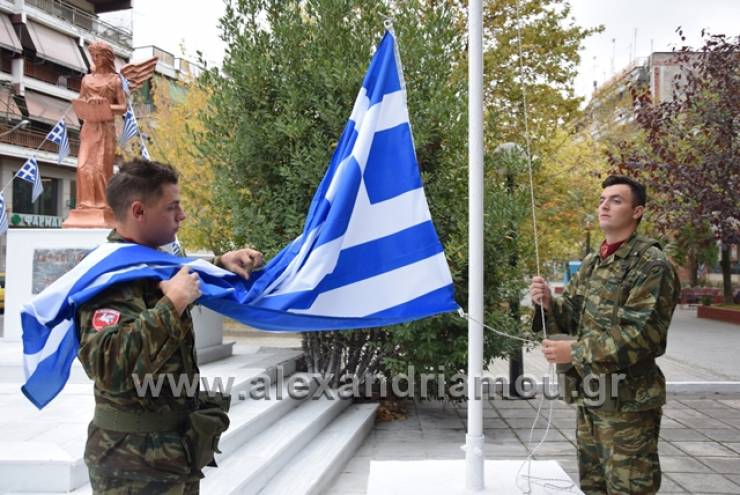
50,264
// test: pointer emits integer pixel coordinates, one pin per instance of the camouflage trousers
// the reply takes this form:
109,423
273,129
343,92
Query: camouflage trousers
103,485
618,452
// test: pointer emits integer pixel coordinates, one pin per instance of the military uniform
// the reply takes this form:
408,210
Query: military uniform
619,310
135,442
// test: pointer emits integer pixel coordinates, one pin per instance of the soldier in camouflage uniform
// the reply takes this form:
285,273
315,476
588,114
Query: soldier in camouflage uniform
135,442
618,308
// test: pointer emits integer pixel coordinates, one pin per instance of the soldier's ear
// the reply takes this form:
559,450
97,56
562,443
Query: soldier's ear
638,211
137,209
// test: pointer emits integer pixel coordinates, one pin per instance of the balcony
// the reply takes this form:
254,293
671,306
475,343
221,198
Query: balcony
84,20
32,139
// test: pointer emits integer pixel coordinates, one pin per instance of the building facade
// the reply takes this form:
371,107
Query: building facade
43,57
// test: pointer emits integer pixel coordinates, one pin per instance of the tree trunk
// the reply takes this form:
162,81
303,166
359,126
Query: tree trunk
726,274
693,267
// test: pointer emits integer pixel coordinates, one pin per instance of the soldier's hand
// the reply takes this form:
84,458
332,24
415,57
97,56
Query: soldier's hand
540,293
182,289
242,261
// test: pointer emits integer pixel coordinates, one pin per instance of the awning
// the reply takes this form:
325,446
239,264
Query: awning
49,109
56,47
8,108
8,39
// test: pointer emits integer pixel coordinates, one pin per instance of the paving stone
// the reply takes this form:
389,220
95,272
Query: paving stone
667,449
732,445
699,403
518,413
734,403
682,435
349,484
552,435
707,449
722,465
682,464
722,413
556,449
706,483
523,422
667,485
502,404
357,465
704,423
670,423
722,434
499,435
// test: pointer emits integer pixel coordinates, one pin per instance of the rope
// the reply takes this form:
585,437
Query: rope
547,483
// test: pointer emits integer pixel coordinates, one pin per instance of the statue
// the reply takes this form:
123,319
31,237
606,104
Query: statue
101,99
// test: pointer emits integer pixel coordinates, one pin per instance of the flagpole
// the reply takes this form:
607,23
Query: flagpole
474,441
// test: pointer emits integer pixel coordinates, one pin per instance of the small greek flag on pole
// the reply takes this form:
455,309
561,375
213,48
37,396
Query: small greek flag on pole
130,127
58,135
30,173
124,84
3,215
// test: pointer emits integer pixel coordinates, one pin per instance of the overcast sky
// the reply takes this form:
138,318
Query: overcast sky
171,24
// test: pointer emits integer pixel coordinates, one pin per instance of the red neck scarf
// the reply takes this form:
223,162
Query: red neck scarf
607,250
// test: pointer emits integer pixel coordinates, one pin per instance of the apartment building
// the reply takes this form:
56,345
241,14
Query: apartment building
43,57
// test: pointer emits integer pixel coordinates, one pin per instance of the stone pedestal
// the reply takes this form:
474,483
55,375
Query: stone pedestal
87,218
37,257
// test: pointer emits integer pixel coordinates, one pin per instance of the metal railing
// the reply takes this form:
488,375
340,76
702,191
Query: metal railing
84,20
32,139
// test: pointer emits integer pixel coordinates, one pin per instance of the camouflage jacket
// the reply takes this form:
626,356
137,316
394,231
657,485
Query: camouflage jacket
128,334
619,309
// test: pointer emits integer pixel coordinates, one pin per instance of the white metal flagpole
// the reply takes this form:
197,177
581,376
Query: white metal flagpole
474,440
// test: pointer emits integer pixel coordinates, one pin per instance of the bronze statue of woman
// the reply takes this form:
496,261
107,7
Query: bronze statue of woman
101,99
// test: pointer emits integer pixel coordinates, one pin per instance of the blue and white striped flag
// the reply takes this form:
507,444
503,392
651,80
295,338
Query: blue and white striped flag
368,256
130,126
3,215
30,173
58,135
144,151
124,84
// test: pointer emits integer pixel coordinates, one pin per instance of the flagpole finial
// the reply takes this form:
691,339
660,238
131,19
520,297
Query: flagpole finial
388,24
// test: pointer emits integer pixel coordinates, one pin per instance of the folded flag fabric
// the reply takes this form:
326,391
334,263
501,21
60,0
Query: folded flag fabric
368,256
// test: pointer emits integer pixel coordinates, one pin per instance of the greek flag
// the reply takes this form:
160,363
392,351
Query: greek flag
3,215
58,135
124,84
130,127
368,256
30,173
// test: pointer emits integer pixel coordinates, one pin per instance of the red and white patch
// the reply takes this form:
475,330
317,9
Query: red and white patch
105,318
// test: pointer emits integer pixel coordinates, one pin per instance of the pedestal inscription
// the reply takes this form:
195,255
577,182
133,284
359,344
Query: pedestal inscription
50,264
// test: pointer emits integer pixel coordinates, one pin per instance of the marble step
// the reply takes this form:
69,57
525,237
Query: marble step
315,467
51,461
249,469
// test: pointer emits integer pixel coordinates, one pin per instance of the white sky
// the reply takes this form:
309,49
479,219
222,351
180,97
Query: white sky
169,24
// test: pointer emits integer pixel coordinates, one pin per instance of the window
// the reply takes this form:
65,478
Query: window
46,204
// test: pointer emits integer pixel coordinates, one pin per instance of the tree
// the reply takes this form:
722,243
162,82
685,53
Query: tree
290,76
172,131
691,158
568,184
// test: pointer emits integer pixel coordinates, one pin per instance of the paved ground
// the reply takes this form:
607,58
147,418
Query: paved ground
699,350
700,441
700,444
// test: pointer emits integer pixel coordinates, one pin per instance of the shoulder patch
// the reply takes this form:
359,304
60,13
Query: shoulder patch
103,318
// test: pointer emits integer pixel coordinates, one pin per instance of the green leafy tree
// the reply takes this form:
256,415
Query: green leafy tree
290,76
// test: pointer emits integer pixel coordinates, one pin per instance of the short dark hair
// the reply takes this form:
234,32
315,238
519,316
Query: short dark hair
639,195
140,180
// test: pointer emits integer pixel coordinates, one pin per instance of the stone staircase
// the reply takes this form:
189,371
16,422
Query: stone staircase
279,444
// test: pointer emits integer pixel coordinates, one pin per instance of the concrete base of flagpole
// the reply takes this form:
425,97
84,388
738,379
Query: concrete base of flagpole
37,257
447,477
